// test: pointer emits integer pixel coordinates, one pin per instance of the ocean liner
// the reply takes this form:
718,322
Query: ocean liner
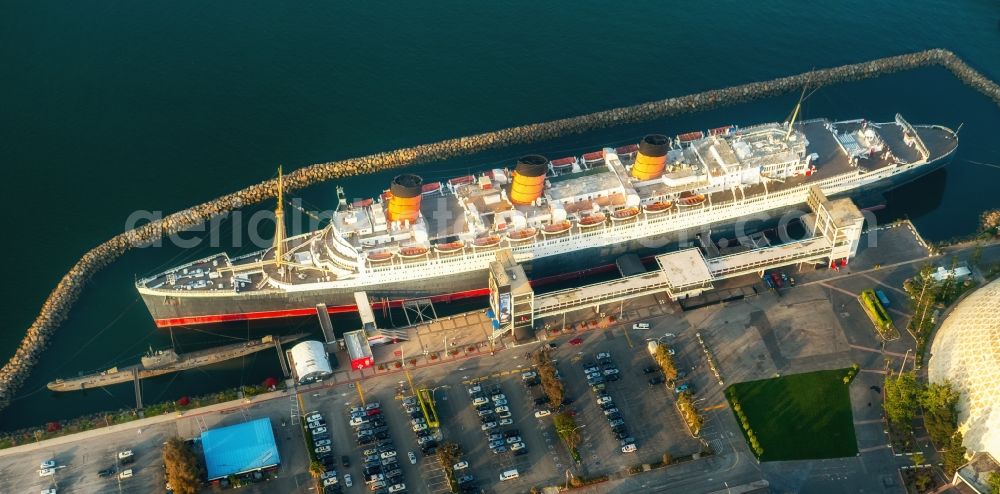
558,217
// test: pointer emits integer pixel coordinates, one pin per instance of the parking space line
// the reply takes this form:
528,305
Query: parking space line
361,394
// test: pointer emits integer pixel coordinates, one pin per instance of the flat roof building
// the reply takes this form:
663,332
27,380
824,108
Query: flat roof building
239,449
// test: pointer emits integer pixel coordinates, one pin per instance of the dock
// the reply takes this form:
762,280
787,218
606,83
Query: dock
167,361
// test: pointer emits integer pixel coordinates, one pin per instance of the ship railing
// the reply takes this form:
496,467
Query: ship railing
924,152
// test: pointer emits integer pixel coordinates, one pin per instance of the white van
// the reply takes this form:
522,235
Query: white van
124,474
640,325
509,474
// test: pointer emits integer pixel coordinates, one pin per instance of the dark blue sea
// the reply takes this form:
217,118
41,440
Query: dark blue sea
112,107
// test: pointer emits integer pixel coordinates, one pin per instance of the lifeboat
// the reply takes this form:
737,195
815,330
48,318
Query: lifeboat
592,220
522,234
689,199
593,157
468,179
362,203
625,214
691,136
487,241
450,246
379,256
563,164
413,251
430,188
627,150
657,207
557,228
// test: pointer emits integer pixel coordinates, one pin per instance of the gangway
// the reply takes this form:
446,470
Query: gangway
325,324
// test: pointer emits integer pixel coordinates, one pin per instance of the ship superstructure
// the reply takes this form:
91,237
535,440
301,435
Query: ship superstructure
436,239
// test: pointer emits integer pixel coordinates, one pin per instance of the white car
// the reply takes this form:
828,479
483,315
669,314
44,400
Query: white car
629,448
358,421
489,425
640,325
51,490
47,464
313,417
348,481
512,440
506,421
413,458
603,355
373,405
418,420
330,481
124,454
125,474
357,409
498,396
419,427
328,475
397,487
322,449
517,446
501,409
462,465
529,375
479,401
500,402
604,399
504,415
387,455
542,413
608,372
319,430
475,389
323,442
46,472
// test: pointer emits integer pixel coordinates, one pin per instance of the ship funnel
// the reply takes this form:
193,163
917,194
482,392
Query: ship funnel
529,179
652,157
404,200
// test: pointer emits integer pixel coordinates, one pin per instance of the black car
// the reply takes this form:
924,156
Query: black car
465,479
621,432
488,418
128,460
391,474
511,433
612,377
329,462
650,369
384,442
533,381
373,469
107,472
417,414
382,435
614,416
365,440
423,433
345,460
656,380
541,400
483,407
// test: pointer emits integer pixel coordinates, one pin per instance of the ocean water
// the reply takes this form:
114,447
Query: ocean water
107,108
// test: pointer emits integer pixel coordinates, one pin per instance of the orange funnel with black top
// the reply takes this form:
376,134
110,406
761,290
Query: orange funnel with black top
529,179
652,157
404,200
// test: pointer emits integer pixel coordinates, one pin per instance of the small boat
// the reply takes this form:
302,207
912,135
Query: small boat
721,131
362,203
557,228
379,256
487,241
522,234
562,164
412,251
468,179
689,199
592,220
657,207
627,150
430,188
450,246
593,157
625,214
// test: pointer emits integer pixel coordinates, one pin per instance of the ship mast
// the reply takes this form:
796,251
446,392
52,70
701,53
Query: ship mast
279,224
795,114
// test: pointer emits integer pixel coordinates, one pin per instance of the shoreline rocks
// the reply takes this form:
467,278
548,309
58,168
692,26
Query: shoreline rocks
57,306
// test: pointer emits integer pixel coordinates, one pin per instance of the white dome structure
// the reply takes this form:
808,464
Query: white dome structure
966,351
310,361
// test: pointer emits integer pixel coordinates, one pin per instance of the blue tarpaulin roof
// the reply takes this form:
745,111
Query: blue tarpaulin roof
239,448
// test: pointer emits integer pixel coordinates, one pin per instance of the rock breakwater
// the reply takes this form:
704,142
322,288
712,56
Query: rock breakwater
57,306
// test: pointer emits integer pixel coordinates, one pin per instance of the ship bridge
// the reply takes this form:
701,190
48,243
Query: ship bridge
835,226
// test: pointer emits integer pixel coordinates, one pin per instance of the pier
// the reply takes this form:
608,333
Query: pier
836,228
56,307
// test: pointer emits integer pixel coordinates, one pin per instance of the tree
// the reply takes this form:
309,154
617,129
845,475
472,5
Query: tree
940,402
567,429
901,395
183,469
994,482
954,456
316,469
666,362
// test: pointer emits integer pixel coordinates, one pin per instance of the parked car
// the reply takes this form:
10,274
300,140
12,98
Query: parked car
616,422
475,389
518,446
656,380
465,479
346,461
460,465
640,325
610,411
314,416
682,388
46,472
504,415
506,421
322,449
388,454
512,440
511,433
604,399
527,376
373,405
542,413
419,427
629,448
107,472
323,442
124,474
319,430
413,458
498,396
650,369
348,481
489,425
409,400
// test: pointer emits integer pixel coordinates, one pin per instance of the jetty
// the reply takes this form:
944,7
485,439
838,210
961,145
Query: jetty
158,363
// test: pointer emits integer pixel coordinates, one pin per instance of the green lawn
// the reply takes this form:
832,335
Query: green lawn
800,416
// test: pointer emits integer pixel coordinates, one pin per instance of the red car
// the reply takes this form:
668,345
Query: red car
576,341
776,279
